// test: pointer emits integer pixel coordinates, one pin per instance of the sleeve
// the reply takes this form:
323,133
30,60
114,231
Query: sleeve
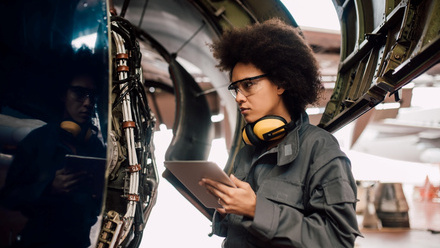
327,219
26,180
14,193
219,224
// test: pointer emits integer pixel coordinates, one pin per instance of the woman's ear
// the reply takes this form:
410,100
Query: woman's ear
280,90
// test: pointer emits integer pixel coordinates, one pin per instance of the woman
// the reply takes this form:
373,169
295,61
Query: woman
60,204
294,187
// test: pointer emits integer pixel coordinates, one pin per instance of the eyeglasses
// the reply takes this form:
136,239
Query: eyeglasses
81,94
246,86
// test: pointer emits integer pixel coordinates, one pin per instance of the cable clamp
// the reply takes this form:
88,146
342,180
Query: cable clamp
121,56
128,124
132,197
134,168
122,68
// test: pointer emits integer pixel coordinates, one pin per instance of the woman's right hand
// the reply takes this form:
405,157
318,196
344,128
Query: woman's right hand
66,182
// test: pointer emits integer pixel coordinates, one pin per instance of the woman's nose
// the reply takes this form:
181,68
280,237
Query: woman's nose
240,97
88,101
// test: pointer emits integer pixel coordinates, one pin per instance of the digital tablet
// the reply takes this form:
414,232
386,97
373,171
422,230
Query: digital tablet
190,172
92,167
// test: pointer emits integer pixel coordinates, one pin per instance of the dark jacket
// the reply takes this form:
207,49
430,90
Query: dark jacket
53,220
306,194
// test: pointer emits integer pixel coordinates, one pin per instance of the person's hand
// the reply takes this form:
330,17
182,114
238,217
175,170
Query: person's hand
66,182
241,200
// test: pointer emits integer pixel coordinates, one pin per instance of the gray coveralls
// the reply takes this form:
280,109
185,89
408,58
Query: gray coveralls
306,194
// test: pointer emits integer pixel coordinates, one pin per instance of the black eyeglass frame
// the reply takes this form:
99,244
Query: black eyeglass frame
246,79
234,89
82,93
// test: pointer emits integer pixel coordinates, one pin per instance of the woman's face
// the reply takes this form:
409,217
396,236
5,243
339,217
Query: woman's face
257,98
80,99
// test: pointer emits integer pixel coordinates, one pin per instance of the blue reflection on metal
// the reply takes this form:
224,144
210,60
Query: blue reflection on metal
90,25
39,39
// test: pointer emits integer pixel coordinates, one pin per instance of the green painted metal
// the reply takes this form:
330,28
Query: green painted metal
385,44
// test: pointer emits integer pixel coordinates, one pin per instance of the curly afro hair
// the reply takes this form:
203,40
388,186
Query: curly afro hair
279,50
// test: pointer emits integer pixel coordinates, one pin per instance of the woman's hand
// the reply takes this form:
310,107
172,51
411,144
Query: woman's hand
66,182
241,200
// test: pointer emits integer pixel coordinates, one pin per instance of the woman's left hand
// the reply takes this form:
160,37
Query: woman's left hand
241,200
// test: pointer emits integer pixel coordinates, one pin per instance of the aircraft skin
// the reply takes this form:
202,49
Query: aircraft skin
385,45
146,47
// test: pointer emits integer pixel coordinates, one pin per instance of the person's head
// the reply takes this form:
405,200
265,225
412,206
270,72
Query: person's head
276,50
81,79
80,99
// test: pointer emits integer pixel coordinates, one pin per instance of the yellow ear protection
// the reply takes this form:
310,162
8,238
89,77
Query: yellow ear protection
75,129
266,129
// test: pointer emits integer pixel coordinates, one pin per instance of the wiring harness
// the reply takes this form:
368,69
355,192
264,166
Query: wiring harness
132,172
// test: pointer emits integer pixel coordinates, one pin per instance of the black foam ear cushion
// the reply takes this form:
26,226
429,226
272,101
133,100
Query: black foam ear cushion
249,136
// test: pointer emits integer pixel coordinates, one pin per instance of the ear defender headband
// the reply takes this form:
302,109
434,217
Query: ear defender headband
266,129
